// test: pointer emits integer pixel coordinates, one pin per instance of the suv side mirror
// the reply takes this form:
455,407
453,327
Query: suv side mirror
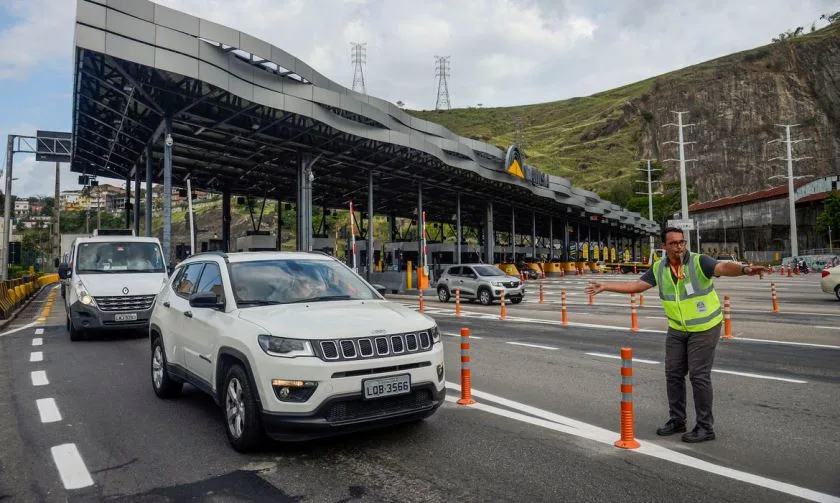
169,269
64,271
380,288
206,300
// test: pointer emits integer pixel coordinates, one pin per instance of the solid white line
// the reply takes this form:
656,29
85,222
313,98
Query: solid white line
39,331
788,343
451,334
71,467
37,341
617,357
556,422
39,377
48,410
759,376
783,311
531,345
36,356
656,317
18,329
830,328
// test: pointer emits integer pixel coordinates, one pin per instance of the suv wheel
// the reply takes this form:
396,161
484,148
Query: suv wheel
837,291
242,420
485,297
165,386
443,294
515,300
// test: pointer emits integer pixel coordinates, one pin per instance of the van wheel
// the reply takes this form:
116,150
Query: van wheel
75,335
443,294
485,297
242,420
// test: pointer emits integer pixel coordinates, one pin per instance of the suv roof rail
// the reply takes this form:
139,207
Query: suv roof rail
218,253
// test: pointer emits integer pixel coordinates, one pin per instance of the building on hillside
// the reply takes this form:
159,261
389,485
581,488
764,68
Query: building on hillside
21,208
69,200
756,226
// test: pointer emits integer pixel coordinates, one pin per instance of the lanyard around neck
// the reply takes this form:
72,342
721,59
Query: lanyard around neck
677,272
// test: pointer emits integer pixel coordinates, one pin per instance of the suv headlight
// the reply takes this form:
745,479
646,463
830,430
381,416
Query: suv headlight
286,348
497,283
435,333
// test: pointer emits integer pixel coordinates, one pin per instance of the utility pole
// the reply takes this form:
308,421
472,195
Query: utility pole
442,73
56,248
683,185
794,242
650,194
358,56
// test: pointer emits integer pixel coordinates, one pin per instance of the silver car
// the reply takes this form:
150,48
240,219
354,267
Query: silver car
479,281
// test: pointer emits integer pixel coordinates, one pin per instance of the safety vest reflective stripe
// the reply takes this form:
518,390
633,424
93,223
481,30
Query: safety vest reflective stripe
699,321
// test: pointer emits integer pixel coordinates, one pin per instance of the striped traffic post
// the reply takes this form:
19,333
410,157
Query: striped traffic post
627,440
542,298
634,318
727,318
420,298
773,296
503,313
466,377
564,315
458,302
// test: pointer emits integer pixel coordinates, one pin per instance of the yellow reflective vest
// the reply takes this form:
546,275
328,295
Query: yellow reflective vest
691,304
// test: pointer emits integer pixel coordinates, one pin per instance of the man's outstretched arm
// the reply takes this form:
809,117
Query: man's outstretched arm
637,286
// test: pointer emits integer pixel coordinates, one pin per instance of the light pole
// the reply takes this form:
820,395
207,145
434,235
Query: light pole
794,243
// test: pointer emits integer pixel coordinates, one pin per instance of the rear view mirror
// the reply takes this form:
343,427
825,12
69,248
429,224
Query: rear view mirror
206,300
64,271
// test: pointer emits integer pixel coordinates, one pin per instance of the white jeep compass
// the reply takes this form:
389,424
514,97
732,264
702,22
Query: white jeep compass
294,345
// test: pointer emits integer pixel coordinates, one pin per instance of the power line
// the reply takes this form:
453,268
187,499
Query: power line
442,68
358,56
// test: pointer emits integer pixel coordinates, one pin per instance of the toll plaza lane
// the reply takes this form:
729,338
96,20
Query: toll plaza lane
136,447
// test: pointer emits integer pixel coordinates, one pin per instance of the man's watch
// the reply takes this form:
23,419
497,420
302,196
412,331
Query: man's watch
744,269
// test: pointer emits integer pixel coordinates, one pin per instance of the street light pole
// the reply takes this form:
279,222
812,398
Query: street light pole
683,183
794,243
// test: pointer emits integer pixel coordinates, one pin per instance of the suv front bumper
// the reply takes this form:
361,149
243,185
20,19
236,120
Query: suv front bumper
87,317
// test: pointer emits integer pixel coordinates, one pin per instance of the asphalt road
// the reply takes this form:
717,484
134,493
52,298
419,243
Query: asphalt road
546,416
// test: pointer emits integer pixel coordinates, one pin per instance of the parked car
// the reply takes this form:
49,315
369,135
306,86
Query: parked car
830,281
293,345
482,282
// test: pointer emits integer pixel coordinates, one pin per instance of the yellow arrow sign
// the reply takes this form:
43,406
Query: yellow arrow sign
515,169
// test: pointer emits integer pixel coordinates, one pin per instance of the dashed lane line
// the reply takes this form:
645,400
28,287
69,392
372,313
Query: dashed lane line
36,356
71,467
48,410
538,346
39,378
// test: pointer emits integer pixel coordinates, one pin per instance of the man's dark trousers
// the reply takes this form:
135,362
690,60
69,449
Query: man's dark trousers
691,353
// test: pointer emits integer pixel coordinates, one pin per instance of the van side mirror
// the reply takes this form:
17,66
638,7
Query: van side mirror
64,271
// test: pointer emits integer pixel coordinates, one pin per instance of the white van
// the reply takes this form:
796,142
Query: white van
112,278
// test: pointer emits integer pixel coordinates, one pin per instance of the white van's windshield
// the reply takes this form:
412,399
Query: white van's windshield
118,257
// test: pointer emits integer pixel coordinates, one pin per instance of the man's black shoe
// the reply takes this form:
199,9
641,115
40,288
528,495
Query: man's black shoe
671,427
698,434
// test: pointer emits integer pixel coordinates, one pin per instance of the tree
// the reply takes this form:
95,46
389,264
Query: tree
830,216
831,18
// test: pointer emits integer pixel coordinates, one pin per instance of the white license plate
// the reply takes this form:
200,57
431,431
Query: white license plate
386,386
125,317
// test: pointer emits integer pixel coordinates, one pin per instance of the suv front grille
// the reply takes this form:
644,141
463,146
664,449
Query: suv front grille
360,409
378,347
510,284
125,303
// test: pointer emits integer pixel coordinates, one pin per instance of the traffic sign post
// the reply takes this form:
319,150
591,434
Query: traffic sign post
684,224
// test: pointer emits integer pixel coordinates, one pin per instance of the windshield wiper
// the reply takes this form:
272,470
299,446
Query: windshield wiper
321,299
258,302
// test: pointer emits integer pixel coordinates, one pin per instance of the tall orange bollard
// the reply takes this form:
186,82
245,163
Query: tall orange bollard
790,271
466,376
458,302
628,438
634,318
641,300
542,297
564,314
422,307
773,296
727,318
503,313
591,300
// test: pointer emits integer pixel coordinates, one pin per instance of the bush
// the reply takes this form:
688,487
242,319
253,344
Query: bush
647,115
756,55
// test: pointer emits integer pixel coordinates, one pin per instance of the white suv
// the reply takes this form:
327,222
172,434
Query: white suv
294,345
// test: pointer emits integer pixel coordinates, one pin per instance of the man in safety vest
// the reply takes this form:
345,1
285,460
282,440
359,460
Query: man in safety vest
687,292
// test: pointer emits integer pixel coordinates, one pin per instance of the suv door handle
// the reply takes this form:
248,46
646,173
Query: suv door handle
166,304
188,314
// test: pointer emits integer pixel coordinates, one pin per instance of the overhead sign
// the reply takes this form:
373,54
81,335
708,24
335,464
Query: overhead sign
686,225
515,165
53,146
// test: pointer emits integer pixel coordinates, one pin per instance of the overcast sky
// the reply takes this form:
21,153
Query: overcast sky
503,52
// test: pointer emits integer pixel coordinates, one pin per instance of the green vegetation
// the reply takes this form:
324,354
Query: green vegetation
830,216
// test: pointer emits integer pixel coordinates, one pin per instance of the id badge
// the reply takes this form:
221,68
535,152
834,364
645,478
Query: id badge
689,289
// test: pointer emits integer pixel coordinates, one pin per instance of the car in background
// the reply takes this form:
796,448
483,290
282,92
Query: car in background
481,282
293,346
830,281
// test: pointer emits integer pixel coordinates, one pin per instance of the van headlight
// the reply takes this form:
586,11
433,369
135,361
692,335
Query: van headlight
83,296
284,347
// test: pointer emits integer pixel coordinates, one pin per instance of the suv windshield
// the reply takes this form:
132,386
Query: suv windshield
483,270
119,257
288,281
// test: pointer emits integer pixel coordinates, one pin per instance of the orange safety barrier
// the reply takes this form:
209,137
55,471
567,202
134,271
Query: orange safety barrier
634,318
641,300
466,376
564,315
542,297
727,318
628,438
503,313
458,302
422,307
773,296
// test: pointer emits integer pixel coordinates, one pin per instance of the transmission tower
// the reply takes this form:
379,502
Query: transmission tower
650,193
442,73
794,240
683,186
358,55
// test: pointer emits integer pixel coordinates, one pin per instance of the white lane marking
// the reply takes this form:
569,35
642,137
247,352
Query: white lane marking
39,331
556,422
783,310
39,377
538,346
37,341
36,356
48,410
452,334
617,357
656,317
830,328
788,343
71,467
760,376
18,329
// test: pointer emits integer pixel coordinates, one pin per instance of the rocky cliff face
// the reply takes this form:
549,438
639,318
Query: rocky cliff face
736,103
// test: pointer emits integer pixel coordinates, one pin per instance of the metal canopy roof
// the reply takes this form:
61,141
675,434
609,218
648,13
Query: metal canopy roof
243,111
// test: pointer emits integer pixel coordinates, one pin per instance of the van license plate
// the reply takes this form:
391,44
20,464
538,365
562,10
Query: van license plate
125,317
386,386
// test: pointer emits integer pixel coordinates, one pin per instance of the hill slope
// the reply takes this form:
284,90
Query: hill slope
597,140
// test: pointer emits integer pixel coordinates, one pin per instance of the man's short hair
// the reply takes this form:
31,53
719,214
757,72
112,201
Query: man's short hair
671,229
